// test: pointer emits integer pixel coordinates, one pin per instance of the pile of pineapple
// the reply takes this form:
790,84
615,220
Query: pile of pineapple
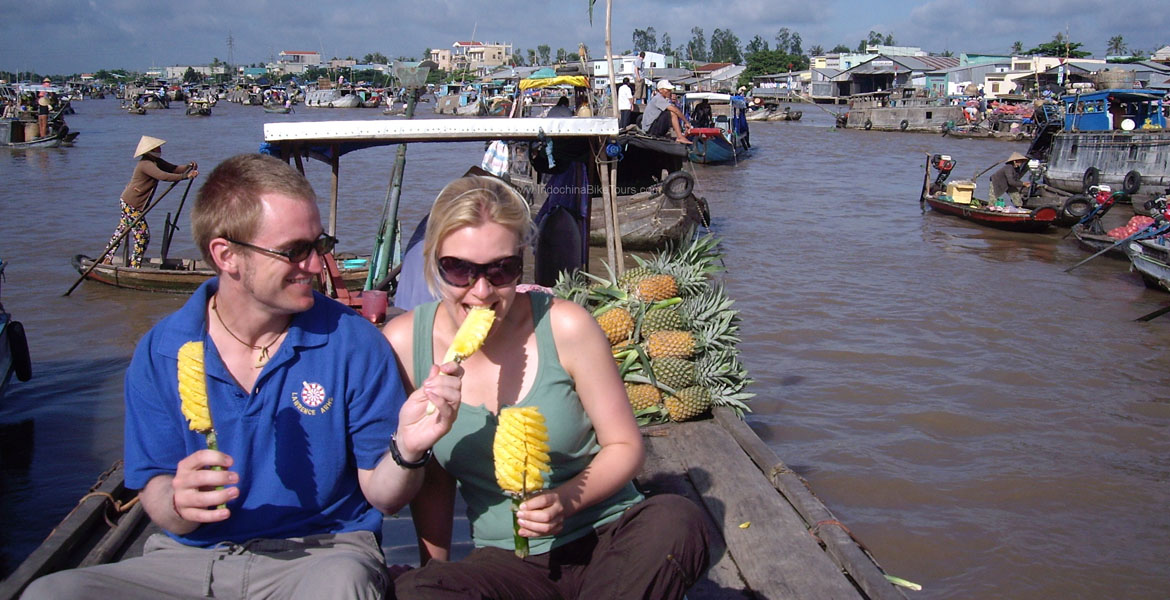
673,331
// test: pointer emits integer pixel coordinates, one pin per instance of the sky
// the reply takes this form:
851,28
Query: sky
75,36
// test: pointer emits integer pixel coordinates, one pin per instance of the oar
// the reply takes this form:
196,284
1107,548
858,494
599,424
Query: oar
984,171
172,226
114,244
925,184
1154,315
1141,234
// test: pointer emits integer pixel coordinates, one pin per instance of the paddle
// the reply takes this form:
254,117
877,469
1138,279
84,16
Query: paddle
1154,315
925,185
172,226
1150,231
114,243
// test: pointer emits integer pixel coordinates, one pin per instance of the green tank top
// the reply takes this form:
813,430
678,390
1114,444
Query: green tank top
466,451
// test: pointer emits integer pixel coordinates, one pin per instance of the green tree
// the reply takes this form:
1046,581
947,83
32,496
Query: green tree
645,39
664,48
766,62
816,51
1116,46
794,44
697,47
190,76
543,50
517,59
725,46
841,49
375,58
783,39
756,44
532,57
561,55
1059,46
1017,48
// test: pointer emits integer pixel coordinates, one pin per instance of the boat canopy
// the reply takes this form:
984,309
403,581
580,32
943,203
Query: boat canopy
543,82
1124,109
323,140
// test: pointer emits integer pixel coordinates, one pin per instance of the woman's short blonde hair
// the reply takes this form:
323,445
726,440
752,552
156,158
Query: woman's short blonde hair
467,202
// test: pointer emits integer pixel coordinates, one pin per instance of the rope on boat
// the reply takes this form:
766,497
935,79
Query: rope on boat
117,505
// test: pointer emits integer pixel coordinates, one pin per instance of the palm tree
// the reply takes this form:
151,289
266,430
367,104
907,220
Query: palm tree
1116,46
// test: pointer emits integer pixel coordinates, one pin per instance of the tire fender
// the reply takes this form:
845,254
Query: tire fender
1076,206
1091,178
903,125
678,185
18,346
1132,183
868,124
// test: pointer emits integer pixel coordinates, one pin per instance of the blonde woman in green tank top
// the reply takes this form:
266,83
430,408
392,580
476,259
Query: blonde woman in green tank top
591,533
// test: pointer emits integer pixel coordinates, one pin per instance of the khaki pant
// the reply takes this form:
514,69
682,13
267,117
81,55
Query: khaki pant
334,566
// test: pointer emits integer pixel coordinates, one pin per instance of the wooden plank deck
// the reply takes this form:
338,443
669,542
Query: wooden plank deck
762,517
770,536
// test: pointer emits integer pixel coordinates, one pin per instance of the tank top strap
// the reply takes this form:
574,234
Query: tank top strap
545,343
423,354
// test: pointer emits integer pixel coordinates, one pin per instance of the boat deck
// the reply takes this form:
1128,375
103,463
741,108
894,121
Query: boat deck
770,536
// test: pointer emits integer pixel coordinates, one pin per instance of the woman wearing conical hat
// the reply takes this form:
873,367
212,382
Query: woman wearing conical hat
1006,181
150,170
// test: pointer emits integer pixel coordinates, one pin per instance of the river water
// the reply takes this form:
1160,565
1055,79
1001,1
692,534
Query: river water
985,423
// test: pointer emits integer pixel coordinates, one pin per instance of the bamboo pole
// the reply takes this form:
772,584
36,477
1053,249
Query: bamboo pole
613,229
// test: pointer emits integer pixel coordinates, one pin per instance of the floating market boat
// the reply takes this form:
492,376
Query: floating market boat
720,133
957,198
1116,137
184,275
904,108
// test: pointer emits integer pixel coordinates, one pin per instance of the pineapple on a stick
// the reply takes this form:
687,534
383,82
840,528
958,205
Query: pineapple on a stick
468,338
193,394
520,449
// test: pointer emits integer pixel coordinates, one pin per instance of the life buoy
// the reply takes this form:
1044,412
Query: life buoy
868,124
678,185
1132,183
903,125
1091,178
18,346
1076,206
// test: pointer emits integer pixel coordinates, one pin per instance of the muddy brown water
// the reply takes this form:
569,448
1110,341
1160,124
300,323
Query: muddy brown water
985,423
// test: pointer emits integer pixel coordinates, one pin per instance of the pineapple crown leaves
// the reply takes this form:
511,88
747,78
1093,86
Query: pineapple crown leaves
636,378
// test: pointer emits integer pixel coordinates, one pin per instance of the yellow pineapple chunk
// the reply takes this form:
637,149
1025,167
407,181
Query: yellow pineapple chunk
193,387
471,334
520,449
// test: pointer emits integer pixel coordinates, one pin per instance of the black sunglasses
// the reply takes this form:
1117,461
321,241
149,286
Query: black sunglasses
299,251
462,273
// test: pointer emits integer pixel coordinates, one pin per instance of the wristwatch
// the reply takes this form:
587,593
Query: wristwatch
398,460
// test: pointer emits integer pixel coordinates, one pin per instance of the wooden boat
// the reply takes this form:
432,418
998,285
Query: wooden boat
1151,259
648,220
1097,241
1117,137
979,132
722,135
785,114
904,108
756,508
759,114
183,275
278,109
956,198
198,109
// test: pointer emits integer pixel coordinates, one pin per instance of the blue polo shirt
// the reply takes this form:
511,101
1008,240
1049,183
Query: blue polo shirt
324,406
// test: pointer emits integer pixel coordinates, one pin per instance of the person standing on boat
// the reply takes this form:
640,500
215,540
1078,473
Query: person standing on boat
1006,181
150,170
662,117
591,533
639,78
625,102
44,106
316,437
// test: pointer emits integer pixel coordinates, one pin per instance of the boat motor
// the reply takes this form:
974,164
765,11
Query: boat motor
944,164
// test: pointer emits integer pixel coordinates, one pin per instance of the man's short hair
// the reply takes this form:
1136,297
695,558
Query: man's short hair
228,204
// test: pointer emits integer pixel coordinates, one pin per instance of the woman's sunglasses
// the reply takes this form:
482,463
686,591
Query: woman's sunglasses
462,273
299,251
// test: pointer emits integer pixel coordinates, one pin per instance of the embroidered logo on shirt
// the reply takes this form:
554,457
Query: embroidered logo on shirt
311,398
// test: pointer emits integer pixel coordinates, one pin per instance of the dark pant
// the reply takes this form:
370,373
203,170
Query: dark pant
661,125
656,549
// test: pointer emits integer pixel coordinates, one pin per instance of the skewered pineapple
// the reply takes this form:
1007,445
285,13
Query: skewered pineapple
521,456
193,389
471,334
468,338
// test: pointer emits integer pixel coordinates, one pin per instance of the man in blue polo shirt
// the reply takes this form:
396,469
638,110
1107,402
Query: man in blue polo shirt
315,436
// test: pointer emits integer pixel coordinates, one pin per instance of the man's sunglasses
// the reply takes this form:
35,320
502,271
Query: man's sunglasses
462,273
299,251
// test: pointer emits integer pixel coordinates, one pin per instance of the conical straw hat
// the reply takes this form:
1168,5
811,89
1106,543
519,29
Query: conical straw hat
1015,156
146,144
